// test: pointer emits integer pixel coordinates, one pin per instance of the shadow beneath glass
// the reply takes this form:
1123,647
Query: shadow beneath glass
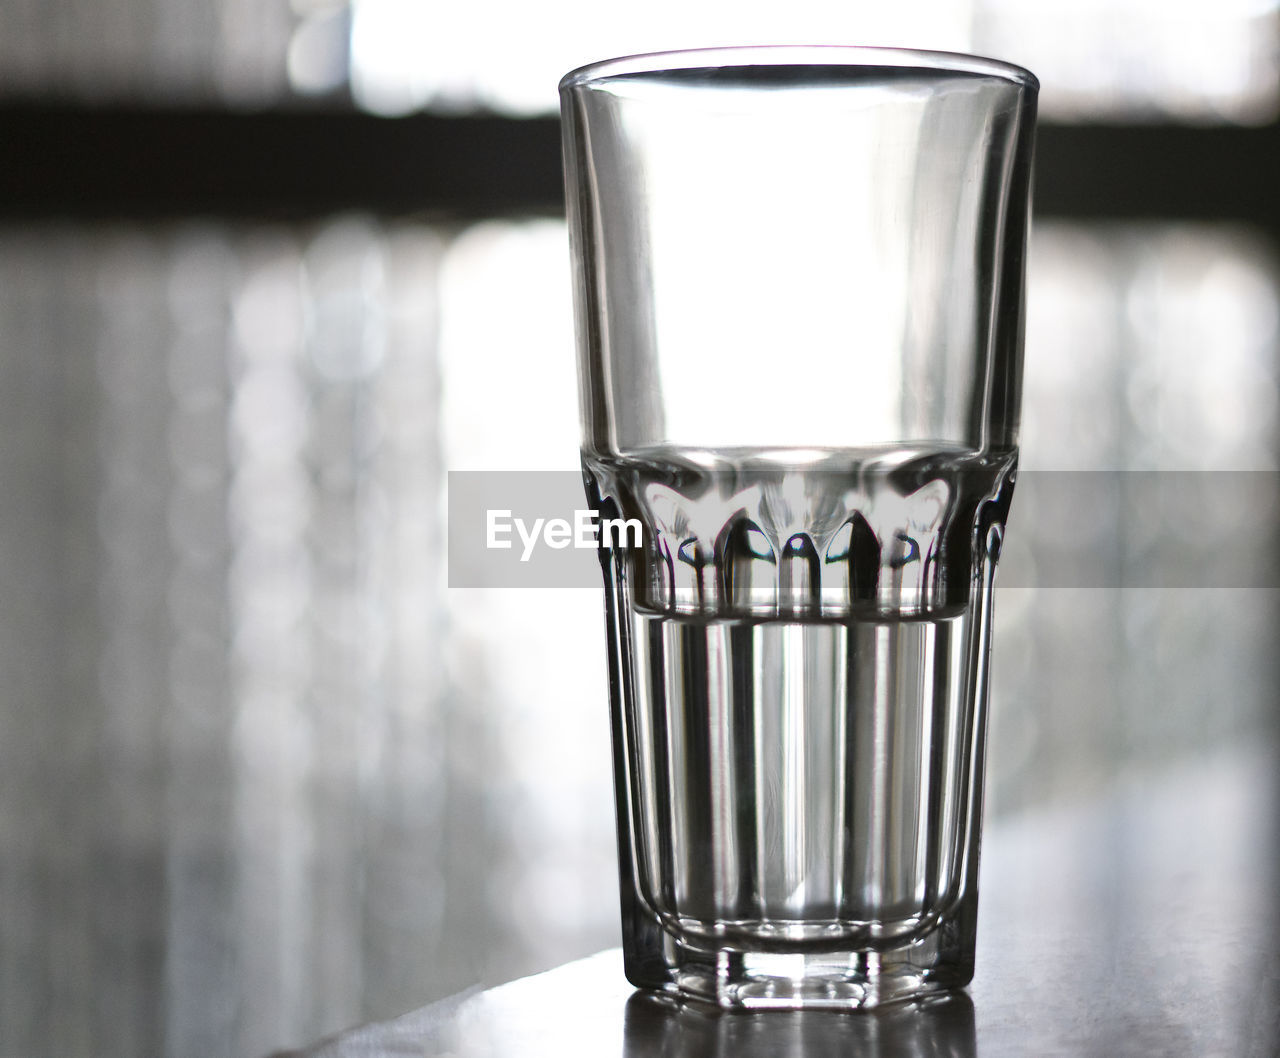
939,1027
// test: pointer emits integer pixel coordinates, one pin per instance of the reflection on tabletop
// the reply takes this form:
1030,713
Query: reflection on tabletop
939,1027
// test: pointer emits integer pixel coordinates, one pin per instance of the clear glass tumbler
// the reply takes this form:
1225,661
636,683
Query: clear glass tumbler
799,298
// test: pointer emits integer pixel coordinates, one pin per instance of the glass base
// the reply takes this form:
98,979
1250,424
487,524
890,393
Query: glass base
939,960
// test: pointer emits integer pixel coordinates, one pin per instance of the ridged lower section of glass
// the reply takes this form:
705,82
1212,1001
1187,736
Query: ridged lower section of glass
811,848
798,766
799,803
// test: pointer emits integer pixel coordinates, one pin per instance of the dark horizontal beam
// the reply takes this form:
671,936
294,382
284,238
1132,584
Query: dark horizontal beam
95,162
110,162
1160,171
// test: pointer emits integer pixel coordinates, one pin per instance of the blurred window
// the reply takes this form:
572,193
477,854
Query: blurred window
1146,60
263,774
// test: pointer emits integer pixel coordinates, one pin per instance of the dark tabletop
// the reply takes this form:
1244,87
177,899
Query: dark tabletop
1138,921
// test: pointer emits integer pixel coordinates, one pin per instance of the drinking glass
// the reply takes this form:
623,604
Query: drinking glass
798,285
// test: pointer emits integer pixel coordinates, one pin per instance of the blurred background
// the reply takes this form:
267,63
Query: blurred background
270,268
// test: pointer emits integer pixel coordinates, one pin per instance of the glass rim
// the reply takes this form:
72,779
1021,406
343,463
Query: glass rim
815,55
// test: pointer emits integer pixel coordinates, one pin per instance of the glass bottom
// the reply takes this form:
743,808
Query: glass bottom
939,960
